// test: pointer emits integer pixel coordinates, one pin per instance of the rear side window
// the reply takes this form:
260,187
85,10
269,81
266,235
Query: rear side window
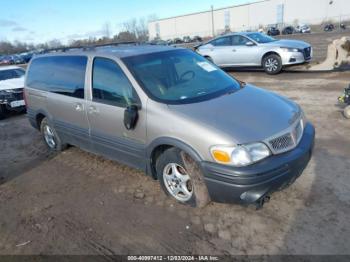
110,85
63,75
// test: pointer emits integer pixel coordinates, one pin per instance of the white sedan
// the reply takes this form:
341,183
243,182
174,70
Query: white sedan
11,89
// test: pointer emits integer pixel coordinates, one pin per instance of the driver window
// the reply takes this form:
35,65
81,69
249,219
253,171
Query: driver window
239,40
110,85
222,41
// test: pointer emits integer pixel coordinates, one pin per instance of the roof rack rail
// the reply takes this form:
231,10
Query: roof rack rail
92,47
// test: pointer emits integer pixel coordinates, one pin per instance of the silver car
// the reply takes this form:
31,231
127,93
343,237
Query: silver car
172,114
254,49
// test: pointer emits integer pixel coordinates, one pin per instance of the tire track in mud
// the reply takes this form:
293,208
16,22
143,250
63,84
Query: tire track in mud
88,239
21,147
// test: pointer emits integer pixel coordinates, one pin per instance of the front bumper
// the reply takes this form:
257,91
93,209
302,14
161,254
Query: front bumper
13,100
304,55
251,183
294,58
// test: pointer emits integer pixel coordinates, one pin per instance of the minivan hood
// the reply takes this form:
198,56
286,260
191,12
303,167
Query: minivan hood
251,114
12,83
289,43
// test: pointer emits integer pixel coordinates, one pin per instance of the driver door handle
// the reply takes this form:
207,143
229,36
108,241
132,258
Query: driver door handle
79,107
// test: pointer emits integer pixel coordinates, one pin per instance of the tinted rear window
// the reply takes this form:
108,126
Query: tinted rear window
58,74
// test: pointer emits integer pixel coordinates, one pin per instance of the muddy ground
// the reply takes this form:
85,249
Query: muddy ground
78,203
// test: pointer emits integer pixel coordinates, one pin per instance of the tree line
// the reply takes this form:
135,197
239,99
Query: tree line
133,30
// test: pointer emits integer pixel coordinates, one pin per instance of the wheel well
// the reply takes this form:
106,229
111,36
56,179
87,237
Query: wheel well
39,118
154,156
267,54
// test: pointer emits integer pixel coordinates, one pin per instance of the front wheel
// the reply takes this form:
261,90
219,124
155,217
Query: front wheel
180,177
272,64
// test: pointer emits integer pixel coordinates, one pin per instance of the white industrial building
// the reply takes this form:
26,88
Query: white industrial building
251,16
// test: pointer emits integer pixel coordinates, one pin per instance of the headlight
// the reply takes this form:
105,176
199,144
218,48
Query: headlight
303,119
288,49
240,155
4,93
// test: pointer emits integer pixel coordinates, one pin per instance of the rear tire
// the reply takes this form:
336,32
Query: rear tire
3,112
180,177
272,64
50,136
346,112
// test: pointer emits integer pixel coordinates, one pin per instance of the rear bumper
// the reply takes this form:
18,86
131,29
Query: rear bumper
249,184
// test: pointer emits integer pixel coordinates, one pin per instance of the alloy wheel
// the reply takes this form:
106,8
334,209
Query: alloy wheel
271,64
177,182
49,137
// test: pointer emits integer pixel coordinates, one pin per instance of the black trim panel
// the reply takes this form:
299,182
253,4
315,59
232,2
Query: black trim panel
122,150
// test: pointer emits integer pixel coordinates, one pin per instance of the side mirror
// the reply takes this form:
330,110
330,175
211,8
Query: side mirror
131,116
249,43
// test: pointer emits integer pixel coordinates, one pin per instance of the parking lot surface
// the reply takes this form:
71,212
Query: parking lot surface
79,203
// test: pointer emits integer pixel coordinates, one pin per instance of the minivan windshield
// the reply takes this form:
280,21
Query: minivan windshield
180,76
261,38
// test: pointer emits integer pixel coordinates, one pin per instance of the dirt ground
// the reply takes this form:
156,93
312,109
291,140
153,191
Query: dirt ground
78,203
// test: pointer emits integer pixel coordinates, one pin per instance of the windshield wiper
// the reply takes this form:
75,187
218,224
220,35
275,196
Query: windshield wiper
242,84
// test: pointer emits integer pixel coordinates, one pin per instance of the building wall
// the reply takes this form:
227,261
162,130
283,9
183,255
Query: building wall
250,17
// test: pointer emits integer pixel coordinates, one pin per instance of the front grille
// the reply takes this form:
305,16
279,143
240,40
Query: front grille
282,142
307,53
18,96
288,140
13,94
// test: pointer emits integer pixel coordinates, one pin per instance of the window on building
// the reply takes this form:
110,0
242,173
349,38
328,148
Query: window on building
227,20
157,30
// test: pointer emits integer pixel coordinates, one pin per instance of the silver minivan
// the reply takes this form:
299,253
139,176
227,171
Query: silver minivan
171,113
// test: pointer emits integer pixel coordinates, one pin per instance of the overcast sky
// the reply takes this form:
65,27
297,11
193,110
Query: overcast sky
38,21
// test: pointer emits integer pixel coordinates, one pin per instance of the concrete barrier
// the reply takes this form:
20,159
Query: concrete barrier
338,56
